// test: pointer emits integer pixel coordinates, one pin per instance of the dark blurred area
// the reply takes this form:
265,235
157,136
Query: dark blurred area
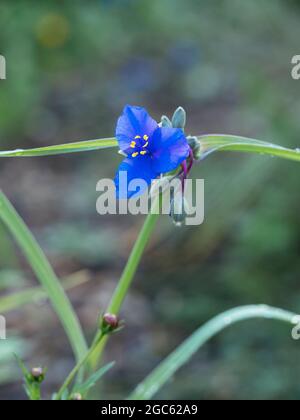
71,67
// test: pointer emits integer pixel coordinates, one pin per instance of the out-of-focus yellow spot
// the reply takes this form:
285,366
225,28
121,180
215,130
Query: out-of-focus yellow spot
53,30
135,154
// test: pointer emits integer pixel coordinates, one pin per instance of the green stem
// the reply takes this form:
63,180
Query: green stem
45,274
132,265
35,392
126,279
76,369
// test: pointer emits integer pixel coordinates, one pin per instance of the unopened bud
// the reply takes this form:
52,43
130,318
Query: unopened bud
165,122
195,145
38,374
179,118
178,209
111,320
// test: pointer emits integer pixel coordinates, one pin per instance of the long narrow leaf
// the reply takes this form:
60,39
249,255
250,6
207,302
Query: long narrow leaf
36,294
45,274
81,146
165,370
93,379
209,144
222,142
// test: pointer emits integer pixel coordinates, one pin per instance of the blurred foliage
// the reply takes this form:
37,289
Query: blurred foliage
70,69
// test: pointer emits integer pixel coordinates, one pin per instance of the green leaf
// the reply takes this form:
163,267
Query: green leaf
209,144
223,142
65,396
166,369
93,379
36,294
81,146
22,366
32,390
45,274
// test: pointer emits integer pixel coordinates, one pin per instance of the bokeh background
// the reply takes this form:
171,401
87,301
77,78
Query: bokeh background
71,67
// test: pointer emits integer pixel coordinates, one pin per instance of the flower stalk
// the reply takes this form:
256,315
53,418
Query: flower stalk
72,375
127,277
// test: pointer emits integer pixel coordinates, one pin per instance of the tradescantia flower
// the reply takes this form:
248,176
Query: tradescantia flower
150,150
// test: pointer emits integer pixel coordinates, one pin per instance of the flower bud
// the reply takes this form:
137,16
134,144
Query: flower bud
165,122
178,209
195,145
37,374
179,118
111,321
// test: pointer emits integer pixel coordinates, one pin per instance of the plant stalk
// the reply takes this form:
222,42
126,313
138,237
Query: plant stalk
126,279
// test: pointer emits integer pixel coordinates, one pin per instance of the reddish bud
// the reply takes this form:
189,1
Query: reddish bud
38,374
111,320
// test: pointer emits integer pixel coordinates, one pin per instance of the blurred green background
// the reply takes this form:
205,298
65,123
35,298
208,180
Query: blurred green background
71,67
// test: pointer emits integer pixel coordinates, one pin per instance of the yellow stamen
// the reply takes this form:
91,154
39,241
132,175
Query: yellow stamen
137,137
146,144
143,152
133,144
135,154
145,137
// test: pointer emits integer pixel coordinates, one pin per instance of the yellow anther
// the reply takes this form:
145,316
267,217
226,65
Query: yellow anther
133,144
143,152
146,144
145,137
135,154
137,137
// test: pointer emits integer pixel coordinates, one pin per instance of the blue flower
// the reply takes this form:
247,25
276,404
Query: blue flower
150,150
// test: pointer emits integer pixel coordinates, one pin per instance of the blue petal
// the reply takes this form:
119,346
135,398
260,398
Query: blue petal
169,147
139,168
135,121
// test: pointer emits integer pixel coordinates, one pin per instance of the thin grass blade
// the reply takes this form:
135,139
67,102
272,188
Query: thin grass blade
36,294
222,142
45,274
81,146
168,367
209,144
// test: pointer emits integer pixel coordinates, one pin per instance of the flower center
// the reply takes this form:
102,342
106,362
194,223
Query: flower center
139,145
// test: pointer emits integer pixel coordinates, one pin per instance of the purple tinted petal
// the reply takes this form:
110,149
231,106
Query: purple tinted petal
134,168
169,147
135,121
